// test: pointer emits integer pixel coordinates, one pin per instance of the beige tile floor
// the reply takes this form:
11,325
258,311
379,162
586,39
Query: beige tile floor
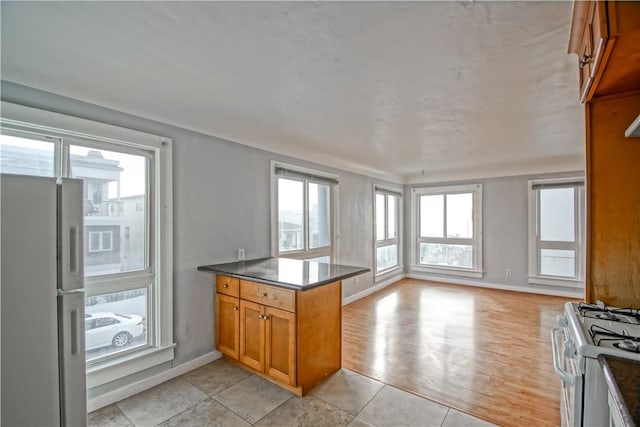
222,394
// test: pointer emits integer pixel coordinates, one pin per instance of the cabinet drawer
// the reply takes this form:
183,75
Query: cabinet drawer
227,285
272,296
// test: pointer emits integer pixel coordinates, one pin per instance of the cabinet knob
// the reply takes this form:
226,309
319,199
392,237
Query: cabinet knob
225,286
235,308
585,60
265,317
264,294
260,316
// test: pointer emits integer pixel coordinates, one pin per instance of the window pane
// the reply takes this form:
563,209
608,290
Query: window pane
446,255
392,209
386,257
380,217
120,322
322,259
460,215
113,184
557,262
24,156
106,241
432,216
94,241
290,214
319,217
557,215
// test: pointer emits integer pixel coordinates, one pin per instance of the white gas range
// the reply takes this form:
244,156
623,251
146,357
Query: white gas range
589,331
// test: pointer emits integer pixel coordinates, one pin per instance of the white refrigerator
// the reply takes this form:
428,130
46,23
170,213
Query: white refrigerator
42,296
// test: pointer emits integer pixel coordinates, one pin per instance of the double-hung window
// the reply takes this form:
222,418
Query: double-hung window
387,229
303,213
127,252
556,231
447,224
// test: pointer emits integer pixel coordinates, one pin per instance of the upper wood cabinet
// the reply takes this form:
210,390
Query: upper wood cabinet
605,35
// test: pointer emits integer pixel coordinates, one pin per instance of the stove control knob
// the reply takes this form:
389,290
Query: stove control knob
569,349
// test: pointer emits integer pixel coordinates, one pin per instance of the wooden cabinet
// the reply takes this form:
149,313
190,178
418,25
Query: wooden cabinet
268,341
605,36
251,333
228,325
613,201
591,48
280,345
228,286
290,337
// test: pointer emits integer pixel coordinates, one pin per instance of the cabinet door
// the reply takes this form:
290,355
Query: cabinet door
280,346
252,325
228,325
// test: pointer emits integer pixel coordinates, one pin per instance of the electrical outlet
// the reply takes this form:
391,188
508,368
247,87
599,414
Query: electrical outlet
240,254
508,272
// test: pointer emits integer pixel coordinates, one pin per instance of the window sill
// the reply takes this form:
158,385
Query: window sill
385,274
451,271
555,281
127,365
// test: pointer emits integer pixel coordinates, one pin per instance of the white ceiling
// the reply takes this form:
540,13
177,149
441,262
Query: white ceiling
389,89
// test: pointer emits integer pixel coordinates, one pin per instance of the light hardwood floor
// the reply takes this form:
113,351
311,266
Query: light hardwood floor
482,351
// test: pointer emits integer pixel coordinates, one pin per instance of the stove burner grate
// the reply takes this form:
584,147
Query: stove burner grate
623,340
603,312
628,345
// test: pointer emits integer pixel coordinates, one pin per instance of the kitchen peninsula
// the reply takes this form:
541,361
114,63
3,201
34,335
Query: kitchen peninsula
281,318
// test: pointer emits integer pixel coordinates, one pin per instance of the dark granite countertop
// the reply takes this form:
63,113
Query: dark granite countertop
623,379
286,273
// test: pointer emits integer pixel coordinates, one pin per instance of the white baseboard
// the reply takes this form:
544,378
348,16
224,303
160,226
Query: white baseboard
378,286
578,293
145,384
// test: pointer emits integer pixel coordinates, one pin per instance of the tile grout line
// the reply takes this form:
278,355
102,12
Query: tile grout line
333,406
369,401
232,411
363,406
192,406
265,415
445,416
123,414
213,396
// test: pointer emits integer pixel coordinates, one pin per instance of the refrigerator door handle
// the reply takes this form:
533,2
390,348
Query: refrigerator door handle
74,332
62,293
70,234
74,254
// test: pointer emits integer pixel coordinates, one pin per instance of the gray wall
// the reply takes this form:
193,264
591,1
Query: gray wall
505,230
221,202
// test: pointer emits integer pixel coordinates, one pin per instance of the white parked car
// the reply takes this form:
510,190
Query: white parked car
111,329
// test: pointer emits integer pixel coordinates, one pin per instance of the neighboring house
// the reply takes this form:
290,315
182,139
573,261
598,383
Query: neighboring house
113,225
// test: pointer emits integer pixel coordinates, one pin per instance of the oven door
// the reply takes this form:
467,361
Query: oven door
568,365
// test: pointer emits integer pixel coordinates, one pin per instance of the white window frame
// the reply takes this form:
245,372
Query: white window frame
101,246
534,276
387,191
476,241
307,175
59,128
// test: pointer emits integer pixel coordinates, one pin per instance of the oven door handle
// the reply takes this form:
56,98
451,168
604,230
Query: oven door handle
566,377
